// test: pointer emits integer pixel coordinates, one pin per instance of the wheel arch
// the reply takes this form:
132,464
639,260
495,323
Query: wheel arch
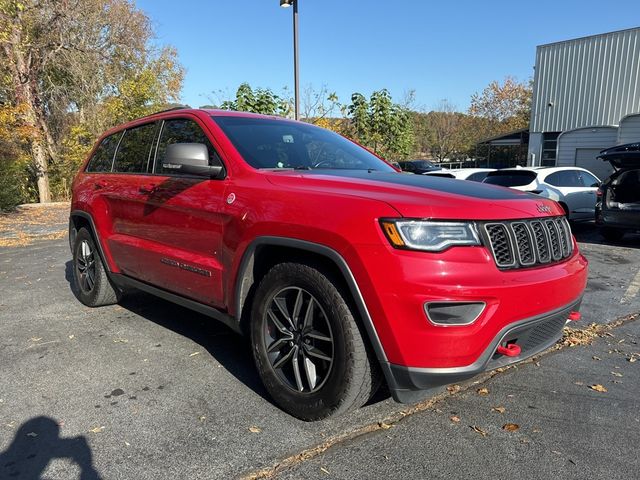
264,252
80,219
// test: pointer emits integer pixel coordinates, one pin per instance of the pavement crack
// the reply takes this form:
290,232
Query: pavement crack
572,337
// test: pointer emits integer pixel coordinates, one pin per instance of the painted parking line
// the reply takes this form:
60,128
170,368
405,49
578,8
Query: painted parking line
632,291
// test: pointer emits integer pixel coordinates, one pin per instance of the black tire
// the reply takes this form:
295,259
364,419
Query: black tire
322,387
90,281
612,234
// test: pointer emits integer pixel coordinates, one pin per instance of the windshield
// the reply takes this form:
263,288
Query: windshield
510,178
273,144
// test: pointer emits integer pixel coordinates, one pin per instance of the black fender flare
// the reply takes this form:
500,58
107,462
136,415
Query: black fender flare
244,281
72,232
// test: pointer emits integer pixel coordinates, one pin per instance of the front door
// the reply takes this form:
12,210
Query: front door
181,222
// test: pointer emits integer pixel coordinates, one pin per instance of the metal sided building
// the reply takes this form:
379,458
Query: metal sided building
586,97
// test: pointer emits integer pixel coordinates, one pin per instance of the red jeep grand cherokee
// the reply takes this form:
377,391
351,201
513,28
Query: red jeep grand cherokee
342,270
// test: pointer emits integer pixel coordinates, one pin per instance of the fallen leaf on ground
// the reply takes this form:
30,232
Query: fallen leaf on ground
36,339
578,383
499,409
255,429
194,354
453,388
511,427
127,444
203,418
71,337
324,470
596,358
633,359
479,430
96,430
598,388
616,374
454,418
32,434
384,426
483,391
120,340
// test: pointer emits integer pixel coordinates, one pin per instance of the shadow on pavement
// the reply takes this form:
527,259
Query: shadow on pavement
229,349
587,232
36,443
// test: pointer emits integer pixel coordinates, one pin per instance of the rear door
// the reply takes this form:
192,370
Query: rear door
182,220
126,195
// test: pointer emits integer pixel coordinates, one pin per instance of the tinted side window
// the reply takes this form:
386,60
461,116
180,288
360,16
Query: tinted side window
182,130
133,152
565,178
588,180
103,156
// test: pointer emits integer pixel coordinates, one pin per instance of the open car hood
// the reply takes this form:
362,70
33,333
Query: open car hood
622,156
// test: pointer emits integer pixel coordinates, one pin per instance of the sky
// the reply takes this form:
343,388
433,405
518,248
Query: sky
441,50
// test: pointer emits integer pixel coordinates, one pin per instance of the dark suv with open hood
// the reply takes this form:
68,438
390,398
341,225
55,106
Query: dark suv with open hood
618,206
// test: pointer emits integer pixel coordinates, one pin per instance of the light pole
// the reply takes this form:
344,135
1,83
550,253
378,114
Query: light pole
294,4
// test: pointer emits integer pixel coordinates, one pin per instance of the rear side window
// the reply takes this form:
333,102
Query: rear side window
135,147
510,178
182,130
103,156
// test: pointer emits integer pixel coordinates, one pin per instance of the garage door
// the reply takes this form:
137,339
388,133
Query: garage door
586,158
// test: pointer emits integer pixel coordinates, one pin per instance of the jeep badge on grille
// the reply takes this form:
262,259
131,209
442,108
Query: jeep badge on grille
543,208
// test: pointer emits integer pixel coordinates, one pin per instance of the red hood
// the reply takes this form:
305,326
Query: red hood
422,196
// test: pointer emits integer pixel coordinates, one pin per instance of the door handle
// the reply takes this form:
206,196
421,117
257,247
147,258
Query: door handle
99,184
148,188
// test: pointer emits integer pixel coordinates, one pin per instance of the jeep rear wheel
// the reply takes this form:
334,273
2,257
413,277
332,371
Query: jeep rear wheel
307,345
91,284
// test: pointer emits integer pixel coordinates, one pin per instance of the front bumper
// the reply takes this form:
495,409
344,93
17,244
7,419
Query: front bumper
532,335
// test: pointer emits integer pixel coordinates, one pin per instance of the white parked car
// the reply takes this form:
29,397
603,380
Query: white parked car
473,174
574,188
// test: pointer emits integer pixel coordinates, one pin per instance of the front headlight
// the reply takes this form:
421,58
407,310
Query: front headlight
429,235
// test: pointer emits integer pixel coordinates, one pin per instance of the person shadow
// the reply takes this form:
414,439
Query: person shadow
36,443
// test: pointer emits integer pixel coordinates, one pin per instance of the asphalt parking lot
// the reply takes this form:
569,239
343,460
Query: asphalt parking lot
149,390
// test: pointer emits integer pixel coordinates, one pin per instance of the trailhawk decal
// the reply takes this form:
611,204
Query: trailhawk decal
185,266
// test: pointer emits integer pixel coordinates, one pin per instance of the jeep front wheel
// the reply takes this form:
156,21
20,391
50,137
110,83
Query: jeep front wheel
307,345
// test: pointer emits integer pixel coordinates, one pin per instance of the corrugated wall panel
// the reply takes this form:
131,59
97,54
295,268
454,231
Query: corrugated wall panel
629,130
590,81
568,142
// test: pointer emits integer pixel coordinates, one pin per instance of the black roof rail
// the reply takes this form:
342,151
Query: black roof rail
177,107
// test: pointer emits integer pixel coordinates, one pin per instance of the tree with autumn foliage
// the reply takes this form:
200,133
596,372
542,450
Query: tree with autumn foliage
504,106
79,62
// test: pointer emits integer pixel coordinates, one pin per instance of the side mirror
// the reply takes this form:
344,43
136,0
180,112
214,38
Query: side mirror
190,158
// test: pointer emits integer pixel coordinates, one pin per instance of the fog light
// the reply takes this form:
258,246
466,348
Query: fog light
453,313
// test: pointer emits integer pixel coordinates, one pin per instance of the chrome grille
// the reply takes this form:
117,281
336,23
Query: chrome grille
526,243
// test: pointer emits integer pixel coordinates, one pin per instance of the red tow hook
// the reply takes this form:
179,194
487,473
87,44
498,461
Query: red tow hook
510,350
575,316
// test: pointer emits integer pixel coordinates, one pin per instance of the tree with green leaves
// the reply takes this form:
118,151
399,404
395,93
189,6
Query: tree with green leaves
80,61
260,100
380,124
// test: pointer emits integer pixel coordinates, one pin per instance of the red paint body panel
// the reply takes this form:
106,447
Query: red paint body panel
189,221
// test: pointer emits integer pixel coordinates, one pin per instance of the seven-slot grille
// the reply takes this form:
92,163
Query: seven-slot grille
526,243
